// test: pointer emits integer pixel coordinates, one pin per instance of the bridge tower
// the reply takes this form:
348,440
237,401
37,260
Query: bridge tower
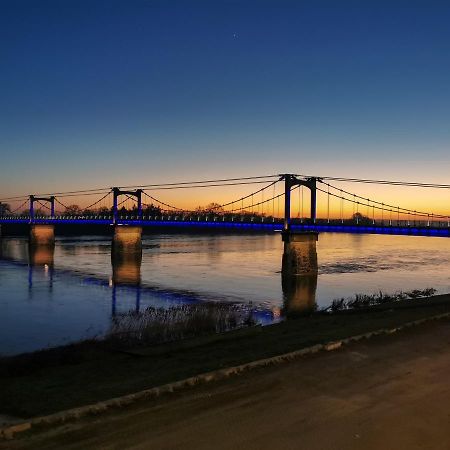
118,192
299,255
127,238
290,181
42,234
50,200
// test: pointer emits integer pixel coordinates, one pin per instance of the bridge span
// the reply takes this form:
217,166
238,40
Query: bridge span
264,210
292,202
170,222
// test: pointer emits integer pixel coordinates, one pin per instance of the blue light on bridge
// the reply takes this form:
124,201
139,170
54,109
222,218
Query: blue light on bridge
248,226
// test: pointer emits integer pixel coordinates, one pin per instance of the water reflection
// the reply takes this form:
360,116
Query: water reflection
126,268
41,256
299,273
299,293
13,250
239,269
126,271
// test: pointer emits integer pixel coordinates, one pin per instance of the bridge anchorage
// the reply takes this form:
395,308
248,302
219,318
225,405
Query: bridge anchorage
42,234
127,238
299,261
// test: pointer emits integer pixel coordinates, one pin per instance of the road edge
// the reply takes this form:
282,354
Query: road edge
9,432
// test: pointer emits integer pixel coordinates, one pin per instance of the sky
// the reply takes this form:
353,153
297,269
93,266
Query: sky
103,93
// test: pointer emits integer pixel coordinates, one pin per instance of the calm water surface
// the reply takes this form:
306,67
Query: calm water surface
51,298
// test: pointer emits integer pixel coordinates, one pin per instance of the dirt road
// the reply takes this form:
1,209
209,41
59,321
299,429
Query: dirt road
392,392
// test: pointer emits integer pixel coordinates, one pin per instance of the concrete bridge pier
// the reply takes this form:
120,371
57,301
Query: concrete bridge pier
127,240
299,272
300,253
42,234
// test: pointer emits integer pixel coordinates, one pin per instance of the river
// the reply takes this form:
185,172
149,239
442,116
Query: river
51,298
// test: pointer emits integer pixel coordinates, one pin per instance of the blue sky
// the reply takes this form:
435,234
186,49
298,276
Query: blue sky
98,93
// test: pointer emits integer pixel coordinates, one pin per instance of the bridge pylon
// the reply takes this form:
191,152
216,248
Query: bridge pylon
127,240
299,254
118,192
50,200
41,234
291,180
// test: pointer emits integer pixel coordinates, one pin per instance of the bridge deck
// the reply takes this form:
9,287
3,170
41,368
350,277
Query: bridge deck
442,231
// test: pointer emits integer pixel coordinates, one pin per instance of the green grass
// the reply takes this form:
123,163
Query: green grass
52,380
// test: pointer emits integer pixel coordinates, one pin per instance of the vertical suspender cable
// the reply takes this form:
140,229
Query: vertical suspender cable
273,204
262,203
302,202
328,204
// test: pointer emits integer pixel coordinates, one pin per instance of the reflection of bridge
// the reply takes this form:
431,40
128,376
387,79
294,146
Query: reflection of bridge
126,279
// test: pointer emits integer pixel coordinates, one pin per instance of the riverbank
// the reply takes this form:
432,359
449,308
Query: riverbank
388,392
66,377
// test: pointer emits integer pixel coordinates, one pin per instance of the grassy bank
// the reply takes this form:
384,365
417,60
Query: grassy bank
66,377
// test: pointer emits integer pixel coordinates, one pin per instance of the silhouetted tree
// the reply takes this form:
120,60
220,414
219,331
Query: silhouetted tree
361,219
4,208
73,210
214,207
41,212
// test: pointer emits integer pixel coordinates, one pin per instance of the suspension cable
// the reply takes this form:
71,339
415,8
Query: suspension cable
247,196
389,182
373,201
98,201
382,208
19,207
165,204
185,183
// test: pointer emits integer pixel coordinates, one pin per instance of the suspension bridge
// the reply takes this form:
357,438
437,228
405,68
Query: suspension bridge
268,207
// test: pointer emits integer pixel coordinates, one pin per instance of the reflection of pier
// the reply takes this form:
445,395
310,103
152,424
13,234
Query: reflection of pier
299,269
299,272
299,294
126,259
41,255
